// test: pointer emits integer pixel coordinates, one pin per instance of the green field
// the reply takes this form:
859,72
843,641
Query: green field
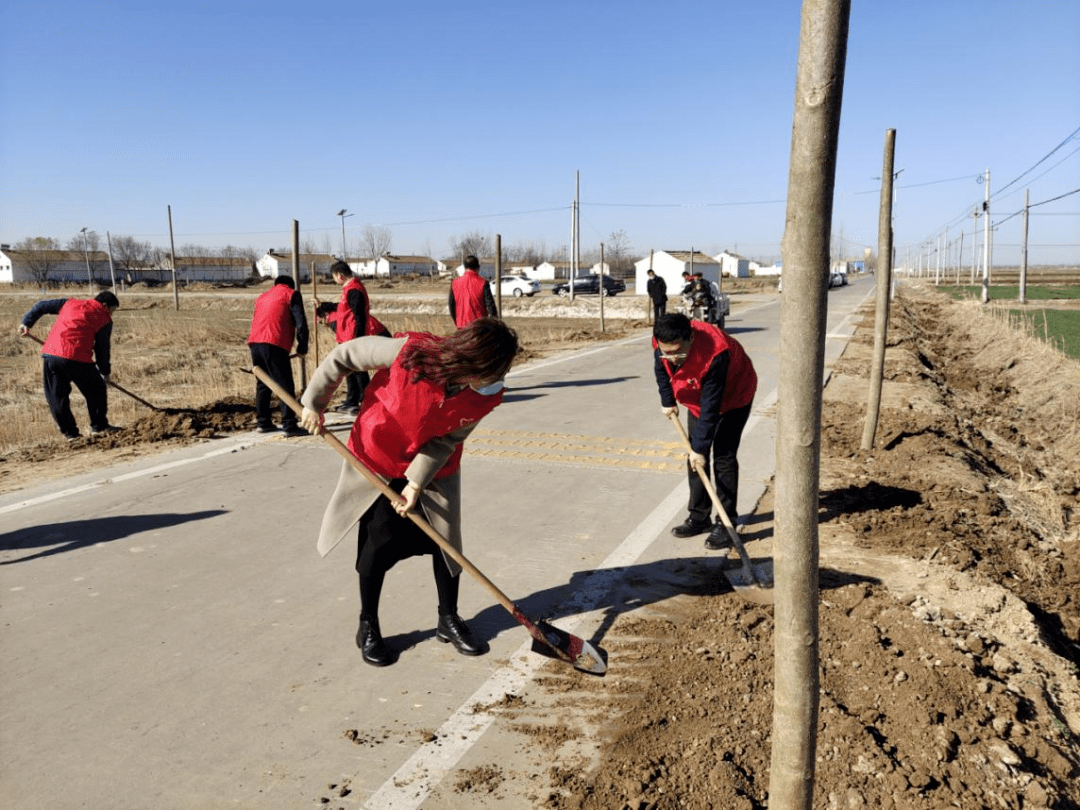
1059,327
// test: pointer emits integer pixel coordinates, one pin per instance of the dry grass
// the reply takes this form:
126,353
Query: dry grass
191,358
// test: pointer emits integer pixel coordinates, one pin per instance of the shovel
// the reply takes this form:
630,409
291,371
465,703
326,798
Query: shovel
747,577
547,639
114,385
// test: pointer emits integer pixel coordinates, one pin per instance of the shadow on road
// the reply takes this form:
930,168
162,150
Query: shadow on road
76,534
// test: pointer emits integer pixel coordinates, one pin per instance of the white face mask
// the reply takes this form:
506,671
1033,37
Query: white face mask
489,389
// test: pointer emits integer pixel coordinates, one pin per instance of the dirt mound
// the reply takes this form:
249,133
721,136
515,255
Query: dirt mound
949,632
214,419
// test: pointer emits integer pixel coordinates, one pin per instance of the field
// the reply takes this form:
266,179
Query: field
950,569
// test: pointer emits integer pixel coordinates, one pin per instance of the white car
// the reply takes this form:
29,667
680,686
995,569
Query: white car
517,286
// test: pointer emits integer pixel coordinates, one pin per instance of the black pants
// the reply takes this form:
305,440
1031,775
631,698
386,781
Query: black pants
355,384
58,374
659,308
386,538
275,361
725,464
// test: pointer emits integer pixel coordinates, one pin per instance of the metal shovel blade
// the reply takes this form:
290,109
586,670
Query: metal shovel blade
555,643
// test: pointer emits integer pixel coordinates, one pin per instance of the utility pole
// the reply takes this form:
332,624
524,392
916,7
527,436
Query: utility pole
112,267
498,275
986,241
172,253
1023,250
603,289
960,257
974,243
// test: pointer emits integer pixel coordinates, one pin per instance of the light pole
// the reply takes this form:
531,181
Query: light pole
86,256
342,214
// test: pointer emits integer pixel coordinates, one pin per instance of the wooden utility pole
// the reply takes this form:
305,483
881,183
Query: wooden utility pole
884,275
1023,250
960,257
603,289
498,275
819,88
296,279
986,242
112,267
172,253
648,300
314,331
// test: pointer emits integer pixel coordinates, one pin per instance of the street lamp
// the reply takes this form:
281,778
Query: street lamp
342,214
86,256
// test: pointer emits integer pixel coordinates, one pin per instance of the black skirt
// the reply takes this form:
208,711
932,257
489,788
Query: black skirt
395,538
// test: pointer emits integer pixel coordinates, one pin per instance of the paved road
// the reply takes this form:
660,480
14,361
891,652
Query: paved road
171,638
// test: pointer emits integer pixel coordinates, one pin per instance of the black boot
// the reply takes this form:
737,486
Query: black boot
371,644
453,629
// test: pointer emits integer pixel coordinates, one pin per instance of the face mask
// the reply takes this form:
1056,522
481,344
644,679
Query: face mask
489,389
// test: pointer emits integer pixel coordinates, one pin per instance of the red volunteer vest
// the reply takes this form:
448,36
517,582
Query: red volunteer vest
345,321
708,343
398,416
272,322
72,336
374,325
468,298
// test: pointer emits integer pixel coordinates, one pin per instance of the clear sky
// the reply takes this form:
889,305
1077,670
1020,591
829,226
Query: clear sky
437,119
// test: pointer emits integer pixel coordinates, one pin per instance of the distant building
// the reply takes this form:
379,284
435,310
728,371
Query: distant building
733,265
274,264
210,269
671,264
51,266
390,265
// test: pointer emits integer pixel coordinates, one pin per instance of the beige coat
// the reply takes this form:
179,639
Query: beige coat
440,500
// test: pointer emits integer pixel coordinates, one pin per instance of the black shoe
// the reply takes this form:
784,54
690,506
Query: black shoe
453,629
268,428
101,431
718,538
295,430
351,410
371,644
691,528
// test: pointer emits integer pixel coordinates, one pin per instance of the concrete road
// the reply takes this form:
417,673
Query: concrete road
171,639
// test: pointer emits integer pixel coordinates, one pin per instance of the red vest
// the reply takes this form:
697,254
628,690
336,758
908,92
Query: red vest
468,298
398,416
374,325
345,320
272,322
708,343
72,336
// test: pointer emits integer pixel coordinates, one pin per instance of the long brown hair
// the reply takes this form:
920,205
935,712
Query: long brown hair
484,349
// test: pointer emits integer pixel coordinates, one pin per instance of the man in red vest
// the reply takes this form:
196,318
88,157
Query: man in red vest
470,295
350,319
279,319
707,370
76,351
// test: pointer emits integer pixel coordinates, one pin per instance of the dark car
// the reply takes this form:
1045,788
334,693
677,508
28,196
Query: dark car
590,285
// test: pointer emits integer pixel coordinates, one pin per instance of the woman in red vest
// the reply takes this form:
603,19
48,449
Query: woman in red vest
707,370
76,351
426,396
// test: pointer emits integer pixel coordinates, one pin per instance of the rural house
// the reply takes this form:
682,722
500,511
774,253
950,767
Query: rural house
390,265
733,265
671,264
275,264
52,266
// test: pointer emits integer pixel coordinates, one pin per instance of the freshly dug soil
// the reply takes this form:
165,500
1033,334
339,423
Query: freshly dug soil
949,592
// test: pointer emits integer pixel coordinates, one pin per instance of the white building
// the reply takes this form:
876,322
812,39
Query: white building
671,264
274,264
733,265
390,265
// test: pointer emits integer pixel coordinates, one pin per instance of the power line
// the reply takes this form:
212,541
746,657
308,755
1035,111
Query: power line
1072,135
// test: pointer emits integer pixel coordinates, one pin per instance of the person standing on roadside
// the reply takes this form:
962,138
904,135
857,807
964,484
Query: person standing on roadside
656,288
705,369
470,295
76,351
350,319
278,320
426,396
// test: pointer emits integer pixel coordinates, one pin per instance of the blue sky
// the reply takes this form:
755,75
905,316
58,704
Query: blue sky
439,119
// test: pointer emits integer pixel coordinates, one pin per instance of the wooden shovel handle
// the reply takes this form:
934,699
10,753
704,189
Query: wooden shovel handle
380,484
735,539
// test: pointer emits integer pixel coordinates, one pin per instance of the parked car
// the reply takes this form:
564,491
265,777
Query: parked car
517,286
590,285
837,279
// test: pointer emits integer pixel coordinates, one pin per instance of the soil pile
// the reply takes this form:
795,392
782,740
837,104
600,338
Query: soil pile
949,634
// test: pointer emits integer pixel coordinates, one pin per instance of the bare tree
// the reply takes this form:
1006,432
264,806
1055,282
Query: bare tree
41,254
375,241
129,255
617,251
91,244
475,243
